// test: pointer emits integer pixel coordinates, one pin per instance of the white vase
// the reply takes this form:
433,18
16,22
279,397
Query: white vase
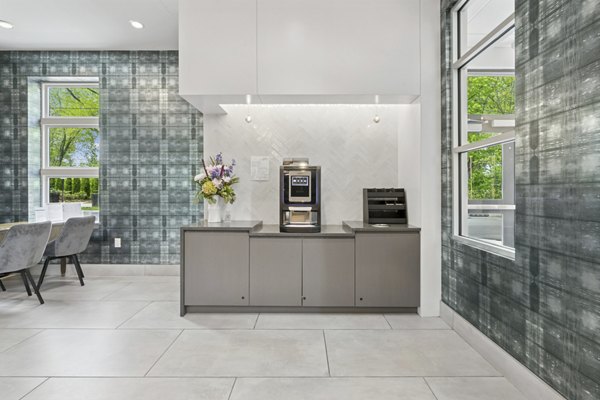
216,211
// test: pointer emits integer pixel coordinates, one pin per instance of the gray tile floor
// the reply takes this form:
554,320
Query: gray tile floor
122,339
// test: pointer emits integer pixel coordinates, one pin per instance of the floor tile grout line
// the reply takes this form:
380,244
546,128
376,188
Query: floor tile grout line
232,387
326,353
134,314
36,386
388,322
163,353
391,377
429,386
40,330
115,291
223,329
256,321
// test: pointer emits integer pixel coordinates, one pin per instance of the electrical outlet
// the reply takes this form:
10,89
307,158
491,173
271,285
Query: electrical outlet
117,243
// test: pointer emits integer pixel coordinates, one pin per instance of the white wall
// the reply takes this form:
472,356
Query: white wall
431,153
409,159
353,153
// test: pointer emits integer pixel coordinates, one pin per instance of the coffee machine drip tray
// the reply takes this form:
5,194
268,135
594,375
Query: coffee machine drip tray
292,228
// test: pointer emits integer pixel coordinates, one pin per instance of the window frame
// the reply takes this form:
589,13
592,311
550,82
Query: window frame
459,125
47,122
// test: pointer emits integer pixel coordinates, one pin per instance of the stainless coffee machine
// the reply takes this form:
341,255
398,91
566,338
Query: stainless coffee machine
299,196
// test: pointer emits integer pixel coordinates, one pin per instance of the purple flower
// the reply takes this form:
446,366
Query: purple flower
219,158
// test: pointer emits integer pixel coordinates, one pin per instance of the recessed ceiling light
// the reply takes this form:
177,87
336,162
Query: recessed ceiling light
136,24
6,25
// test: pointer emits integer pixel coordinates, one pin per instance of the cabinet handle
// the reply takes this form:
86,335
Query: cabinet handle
303,298
361,299
243,297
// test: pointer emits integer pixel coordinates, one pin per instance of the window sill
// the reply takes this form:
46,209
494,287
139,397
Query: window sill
501,251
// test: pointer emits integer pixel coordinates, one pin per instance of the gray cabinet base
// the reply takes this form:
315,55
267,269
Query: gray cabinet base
269,309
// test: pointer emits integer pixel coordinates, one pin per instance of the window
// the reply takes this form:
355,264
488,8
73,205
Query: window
484,124
70,142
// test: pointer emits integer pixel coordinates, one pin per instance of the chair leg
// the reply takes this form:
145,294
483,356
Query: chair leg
2,286
75,260
35,288
24,277
78,263
43,274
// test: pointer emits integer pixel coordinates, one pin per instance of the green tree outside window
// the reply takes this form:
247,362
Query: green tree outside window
487,95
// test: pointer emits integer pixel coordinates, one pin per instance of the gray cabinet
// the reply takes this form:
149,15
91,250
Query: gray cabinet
387,269
275,271
328,272
216,268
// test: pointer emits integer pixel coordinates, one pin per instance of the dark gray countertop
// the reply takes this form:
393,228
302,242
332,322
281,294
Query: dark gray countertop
326,231
257,229
239,226
360,226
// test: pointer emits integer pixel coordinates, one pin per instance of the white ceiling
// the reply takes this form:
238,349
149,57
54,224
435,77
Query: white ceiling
88,25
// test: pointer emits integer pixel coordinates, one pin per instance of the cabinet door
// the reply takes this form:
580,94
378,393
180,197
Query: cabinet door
387,270
216,268
328,272
275,272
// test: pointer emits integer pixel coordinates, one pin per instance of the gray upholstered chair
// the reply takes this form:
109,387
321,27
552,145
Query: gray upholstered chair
22,249
73,239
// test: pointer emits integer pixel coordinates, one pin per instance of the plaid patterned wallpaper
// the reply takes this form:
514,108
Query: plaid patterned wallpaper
151,144
544,307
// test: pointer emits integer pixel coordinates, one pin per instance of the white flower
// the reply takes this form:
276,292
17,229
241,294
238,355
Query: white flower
227,179
199,177
217,182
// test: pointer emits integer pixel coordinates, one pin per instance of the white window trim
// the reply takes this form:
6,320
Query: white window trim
47,122
460,61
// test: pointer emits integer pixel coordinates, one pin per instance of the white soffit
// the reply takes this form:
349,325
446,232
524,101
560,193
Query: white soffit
89,25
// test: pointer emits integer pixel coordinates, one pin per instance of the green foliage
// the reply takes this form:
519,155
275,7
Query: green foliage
93,185
76,185
74,188
73,146
68,184
76,196
485,171
491,95
487,95
85,186
74,102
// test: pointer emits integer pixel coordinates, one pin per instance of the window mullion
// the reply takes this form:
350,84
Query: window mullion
69,122
492,141
484,43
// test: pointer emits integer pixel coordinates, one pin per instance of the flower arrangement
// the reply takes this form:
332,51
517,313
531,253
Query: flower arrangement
216,180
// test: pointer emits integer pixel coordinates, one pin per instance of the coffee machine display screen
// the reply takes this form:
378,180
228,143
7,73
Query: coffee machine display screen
299,188
300,180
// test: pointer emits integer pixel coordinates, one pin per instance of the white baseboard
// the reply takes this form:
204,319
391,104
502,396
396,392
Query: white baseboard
99,270
516,373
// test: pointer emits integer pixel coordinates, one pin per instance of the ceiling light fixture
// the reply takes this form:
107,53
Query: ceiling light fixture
6,24
376,119
136,24
248,118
